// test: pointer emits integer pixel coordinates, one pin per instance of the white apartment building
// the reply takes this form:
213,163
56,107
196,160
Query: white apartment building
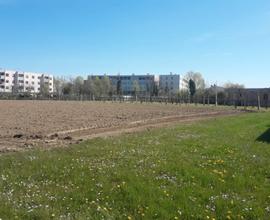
171,84
16,81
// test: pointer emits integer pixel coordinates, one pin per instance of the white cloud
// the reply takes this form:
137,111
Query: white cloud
203,37
217,54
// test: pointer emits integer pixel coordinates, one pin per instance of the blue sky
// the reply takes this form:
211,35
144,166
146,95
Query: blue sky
225,40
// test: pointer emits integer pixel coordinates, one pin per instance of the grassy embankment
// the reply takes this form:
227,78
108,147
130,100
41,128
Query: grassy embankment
216,169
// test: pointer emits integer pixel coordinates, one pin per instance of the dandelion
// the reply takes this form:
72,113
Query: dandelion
222,180
129,217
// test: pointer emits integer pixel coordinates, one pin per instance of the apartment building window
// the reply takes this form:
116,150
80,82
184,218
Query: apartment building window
2,74
20,75
7,81
7,74
21,81
7,87
33,83
27,77
2,87
26,82
33,77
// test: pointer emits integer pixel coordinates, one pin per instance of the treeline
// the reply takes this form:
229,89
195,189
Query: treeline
98,87
78,87
195,89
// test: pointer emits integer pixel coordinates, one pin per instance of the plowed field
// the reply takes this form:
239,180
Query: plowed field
26,124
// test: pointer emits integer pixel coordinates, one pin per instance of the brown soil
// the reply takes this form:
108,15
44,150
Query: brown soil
28,124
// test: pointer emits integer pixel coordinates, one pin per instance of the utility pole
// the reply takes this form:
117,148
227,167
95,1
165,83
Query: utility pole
216,95
259,101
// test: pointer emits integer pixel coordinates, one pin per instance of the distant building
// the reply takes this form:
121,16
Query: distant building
126,83
249,96
21,82
171,84
167,84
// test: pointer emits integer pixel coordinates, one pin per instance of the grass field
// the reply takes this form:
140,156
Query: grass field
216,169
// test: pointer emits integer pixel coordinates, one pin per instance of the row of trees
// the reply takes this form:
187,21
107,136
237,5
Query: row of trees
196,88
96,87
79,86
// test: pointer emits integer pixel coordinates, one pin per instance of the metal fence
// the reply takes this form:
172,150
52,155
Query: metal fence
198,99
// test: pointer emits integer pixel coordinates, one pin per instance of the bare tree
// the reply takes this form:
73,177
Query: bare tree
197,78
230,85
44,90
58,85
199,84
78,86
67,88
136,88
105,85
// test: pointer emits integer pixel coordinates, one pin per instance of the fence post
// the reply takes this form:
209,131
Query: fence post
259,102
216,98
203,100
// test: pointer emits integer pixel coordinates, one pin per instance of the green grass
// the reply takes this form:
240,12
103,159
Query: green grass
214,169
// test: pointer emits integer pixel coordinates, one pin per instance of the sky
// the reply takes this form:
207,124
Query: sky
225,40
